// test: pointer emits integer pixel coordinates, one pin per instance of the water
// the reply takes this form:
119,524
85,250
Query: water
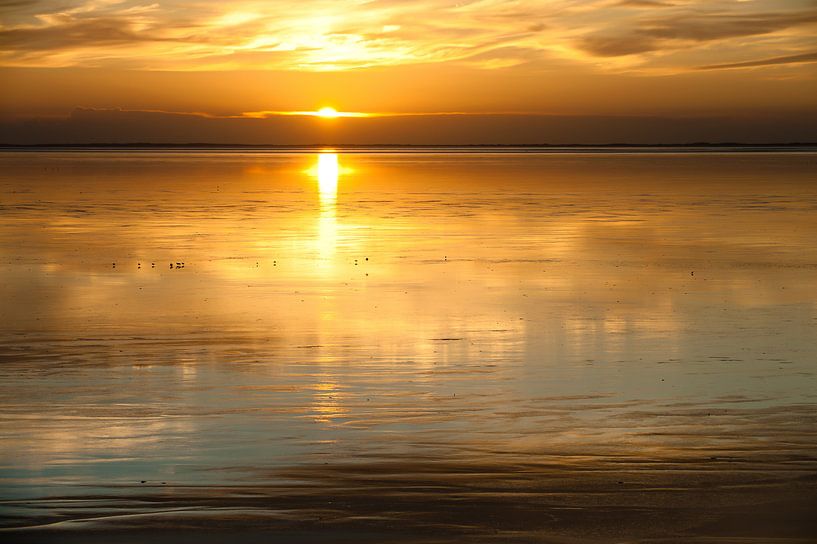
409,346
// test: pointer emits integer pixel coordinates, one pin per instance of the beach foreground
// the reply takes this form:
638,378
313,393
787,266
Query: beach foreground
755,498
422,347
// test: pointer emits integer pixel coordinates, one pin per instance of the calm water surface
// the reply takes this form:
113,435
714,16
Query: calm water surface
479,344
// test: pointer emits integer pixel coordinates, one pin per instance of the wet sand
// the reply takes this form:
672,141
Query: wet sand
568,498
408,348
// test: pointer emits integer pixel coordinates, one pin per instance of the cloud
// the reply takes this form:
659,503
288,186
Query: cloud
642,4
686,29
84,33
12,4
617,46
709,27
316,35
790,59
122,126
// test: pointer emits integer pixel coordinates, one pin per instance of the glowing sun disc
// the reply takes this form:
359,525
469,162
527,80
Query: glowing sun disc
327,113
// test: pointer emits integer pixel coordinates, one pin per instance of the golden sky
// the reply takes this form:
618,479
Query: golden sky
668,58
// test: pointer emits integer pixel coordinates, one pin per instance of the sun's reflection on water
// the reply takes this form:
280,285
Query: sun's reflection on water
327,171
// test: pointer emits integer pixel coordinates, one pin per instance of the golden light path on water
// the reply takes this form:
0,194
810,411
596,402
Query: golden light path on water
327,171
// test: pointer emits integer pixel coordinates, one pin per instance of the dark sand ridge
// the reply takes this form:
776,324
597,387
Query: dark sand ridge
747,499
724,492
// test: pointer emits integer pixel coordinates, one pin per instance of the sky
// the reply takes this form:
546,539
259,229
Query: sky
423,71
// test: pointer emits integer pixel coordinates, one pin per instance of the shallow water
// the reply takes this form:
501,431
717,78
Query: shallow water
409,346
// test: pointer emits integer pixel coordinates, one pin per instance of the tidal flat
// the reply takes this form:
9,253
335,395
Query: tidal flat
426,347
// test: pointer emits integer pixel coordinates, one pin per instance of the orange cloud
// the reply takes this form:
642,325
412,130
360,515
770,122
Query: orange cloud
319,35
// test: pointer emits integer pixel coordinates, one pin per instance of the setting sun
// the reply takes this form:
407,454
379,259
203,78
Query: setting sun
327,113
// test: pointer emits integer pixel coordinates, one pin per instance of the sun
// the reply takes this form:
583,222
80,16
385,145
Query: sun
327,113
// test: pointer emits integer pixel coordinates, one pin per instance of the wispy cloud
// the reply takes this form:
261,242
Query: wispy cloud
643,4
789,59
334,35
689,29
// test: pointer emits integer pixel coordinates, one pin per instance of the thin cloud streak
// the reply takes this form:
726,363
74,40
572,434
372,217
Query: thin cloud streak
790,59
280,114
121,126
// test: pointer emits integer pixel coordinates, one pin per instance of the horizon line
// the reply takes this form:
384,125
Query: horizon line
327,146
